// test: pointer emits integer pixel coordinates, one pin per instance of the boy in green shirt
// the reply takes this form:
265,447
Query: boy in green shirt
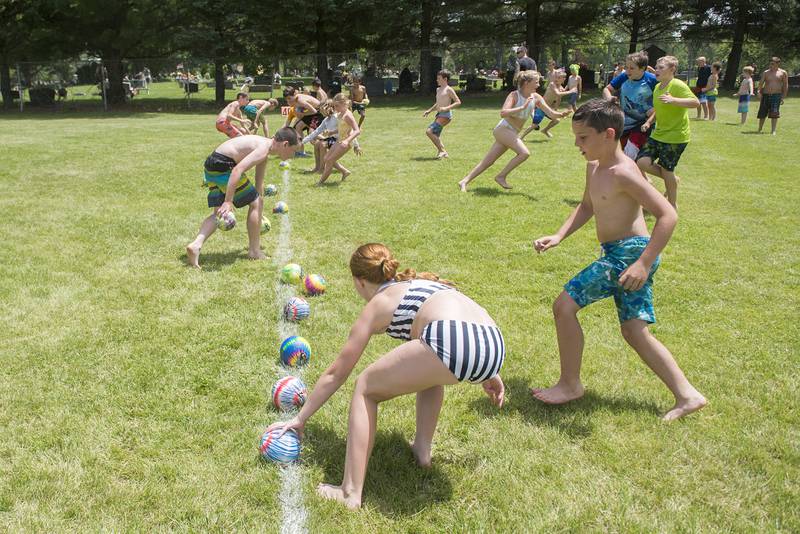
671,100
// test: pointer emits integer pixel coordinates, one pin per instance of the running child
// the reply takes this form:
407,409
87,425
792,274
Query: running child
552,98
672,99
359,98
615,195
518,106
446,100
574,82
317,91
255,111
712,90
324,137
346,131
229,187
231,113
745,92
306,110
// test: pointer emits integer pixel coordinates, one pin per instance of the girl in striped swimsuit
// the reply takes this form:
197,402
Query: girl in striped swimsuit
448,339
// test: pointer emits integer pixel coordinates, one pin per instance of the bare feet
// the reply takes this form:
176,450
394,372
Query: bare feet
422,456
345,175
463,186
685,407
558,394
502,181
193,256
547,134
442,155
335,493
256,255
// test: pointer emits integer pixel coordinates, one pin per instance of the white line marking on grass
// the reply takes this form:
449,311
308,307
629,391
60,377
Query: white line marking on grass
291,493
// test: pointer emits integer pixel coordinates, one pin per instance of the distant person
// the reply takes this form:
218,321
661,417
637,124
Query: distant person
346,132
229,187
703,74
614,195
712,90
359,99
256,112
773,88
406,81
525,63
512,67
230,114
745,92
552,99
446,100
574,82
317,91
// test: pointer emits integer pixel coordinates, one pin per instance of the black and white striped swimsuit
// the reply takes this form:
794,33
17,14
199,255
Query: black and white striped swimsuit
472,352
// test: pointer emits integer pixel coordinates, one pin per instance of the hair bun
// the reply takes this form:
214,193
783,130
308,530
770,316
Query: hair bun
389,268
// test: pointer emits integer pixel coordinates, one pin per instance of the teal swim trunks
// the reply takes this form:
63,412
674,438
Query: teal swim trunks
249,111
601,280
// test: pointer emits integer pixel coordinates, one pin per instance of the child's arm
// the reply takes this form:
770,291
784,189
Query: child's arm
761,82
785,89
550,112
455,101
316,133
252,159
355,130
635,276
687,102
579,216
433,107
651,117
580,86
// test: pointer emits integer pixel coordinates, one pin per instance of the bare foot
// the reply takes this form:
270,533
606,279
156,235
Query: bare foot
463,186
422,456
502,181
345,175
193,256
558,394
547,134
685,407
335,493
442,155
257,255
311,171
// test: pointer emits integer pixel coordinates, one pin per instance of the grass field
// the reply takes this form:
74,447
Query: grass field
133,390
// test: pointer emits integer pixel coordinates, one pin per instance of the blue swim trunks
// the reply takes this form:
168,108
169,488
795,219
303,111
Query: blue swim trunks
538,116
744,104
436,127
601,280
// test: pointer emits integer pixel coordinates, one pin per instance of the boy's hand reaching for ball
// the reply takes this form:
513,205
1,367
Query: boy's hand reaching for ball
547,242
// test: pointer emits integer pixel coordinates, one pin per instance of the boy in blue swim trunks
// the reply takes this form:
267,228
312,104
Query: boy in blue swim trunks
615,195
446,100
228,187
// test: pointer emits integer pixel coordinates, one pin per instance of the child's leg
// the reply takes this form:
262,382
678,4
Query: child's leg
671,183
342,169
509,138
429,404
361,117
744,117
254,212
570,349
712,110
317,157
333,155
497,150
410,368
207,227
547,128
774,125
660,360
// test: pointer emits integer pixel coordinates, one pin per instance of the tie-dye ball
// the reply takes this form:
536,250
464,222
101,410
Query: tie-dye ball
226,222
266,226
296,309
291,273
282,450
280,207
289,393
295,351
314,284
271,190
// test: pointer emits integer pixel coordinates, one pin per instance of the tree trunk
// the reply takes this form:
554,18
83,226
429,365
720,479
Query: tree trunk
532,39
735,56
427,82
219,82
636,23
322,50
115,92
5,84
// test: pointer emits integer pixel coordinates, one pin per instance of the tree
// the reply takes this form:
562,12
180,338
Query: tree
645,20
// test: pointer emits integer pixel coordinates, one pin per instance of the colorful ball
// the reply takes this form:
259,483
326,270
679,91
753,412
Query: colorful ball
266,226
315,284
296,309
289,393
284,164
282,450
291,273
295,351
280,207
271,190
365,101
226,222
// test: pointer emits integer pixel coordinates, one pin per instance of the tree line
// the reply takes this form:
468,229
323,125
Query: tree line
227,30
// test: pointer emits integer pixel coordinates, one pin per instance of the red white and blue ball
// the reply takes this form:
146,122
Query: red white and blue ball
289,393
280,207
226,222
282,450
296,309
314,284
295,351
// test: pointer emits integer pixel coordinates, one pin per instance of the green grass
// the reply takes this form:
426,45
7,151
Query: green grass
133,390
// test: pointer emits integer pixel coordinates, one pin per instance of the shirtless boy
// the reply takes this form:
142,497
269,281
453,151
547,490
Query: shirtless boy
615,195
773,88
446,100
359,99
232,113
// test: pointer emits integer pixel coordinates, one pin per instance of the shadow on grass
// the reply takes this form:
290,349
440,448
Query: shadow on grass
394,484
753,132
214,261
537,140
497,192
424,158
571,203
573,419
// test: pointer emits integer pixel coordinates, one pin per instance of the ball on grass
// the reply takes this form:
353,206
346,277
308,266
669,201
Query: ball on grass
289,393
285,164
271,190
296,309
266,226
282,450
295,351
314,284
291,273
226,222
280,207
